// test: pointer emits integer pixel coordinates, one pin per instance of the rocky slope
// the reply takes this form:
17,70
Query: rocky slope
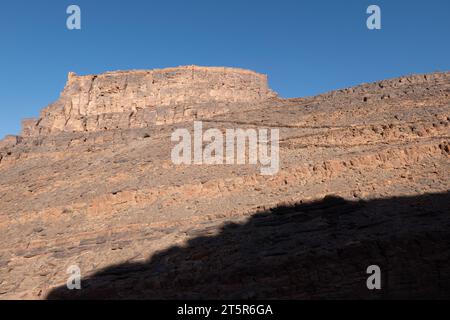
363,180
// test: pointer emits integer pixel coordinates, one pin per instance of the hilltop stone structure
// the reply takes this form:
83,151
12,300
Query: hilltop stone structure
363,180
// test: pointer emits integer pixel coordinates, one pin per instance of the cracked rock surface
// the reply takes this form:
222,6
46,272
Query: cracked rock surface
364,179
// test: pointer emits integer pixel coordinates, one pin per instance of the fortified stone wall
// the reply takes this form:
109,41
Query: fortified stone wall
126,99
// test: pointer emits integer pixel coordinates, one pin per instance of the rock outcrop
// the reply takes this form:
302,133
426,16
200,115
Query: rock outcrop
364,179
136,99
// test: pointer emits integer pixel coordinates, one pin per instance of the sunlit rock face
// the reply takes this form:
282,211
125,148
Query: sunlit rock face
363,180
134,99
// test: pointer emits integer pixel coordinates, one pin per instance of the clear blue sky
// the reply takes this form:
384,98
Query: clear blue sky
305,46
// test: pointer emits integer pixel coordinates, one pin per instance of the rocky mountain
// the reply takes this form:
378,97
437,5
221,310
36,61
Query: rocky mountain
363,180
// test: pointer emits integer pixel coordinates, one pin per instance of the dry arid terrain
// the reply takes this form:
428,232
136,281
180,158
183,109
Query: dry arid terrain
363,180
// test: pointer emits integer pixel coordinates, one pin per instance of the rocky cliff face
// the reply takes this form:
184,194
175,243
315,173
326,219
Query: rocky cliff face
363,180
136,99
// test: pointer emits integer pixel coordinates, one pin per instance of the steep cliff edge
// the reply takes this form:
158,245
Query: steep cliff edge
135,99
364,179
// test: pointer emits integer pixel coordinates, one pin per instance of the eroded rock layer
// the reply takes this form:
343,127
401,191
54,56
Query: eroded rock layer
136,99
363,180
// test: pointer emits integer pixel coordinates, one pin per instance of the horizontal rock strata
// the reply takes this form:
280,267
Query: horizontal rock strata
363,180
135,99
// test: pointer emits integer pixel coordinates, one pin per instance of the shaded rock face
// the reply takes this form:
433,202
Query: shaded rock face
363,180
134,99
302,251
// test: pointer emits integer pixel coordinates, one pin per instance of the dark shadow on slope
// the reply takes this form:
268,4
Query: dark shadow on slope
307,251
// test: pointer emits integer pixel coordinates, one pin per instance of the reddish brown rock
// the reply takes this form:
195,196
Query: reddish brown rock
91,183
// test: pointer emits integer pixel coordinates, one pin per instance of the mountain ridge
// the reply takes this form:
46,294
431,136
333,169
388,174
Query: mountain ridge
99,198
